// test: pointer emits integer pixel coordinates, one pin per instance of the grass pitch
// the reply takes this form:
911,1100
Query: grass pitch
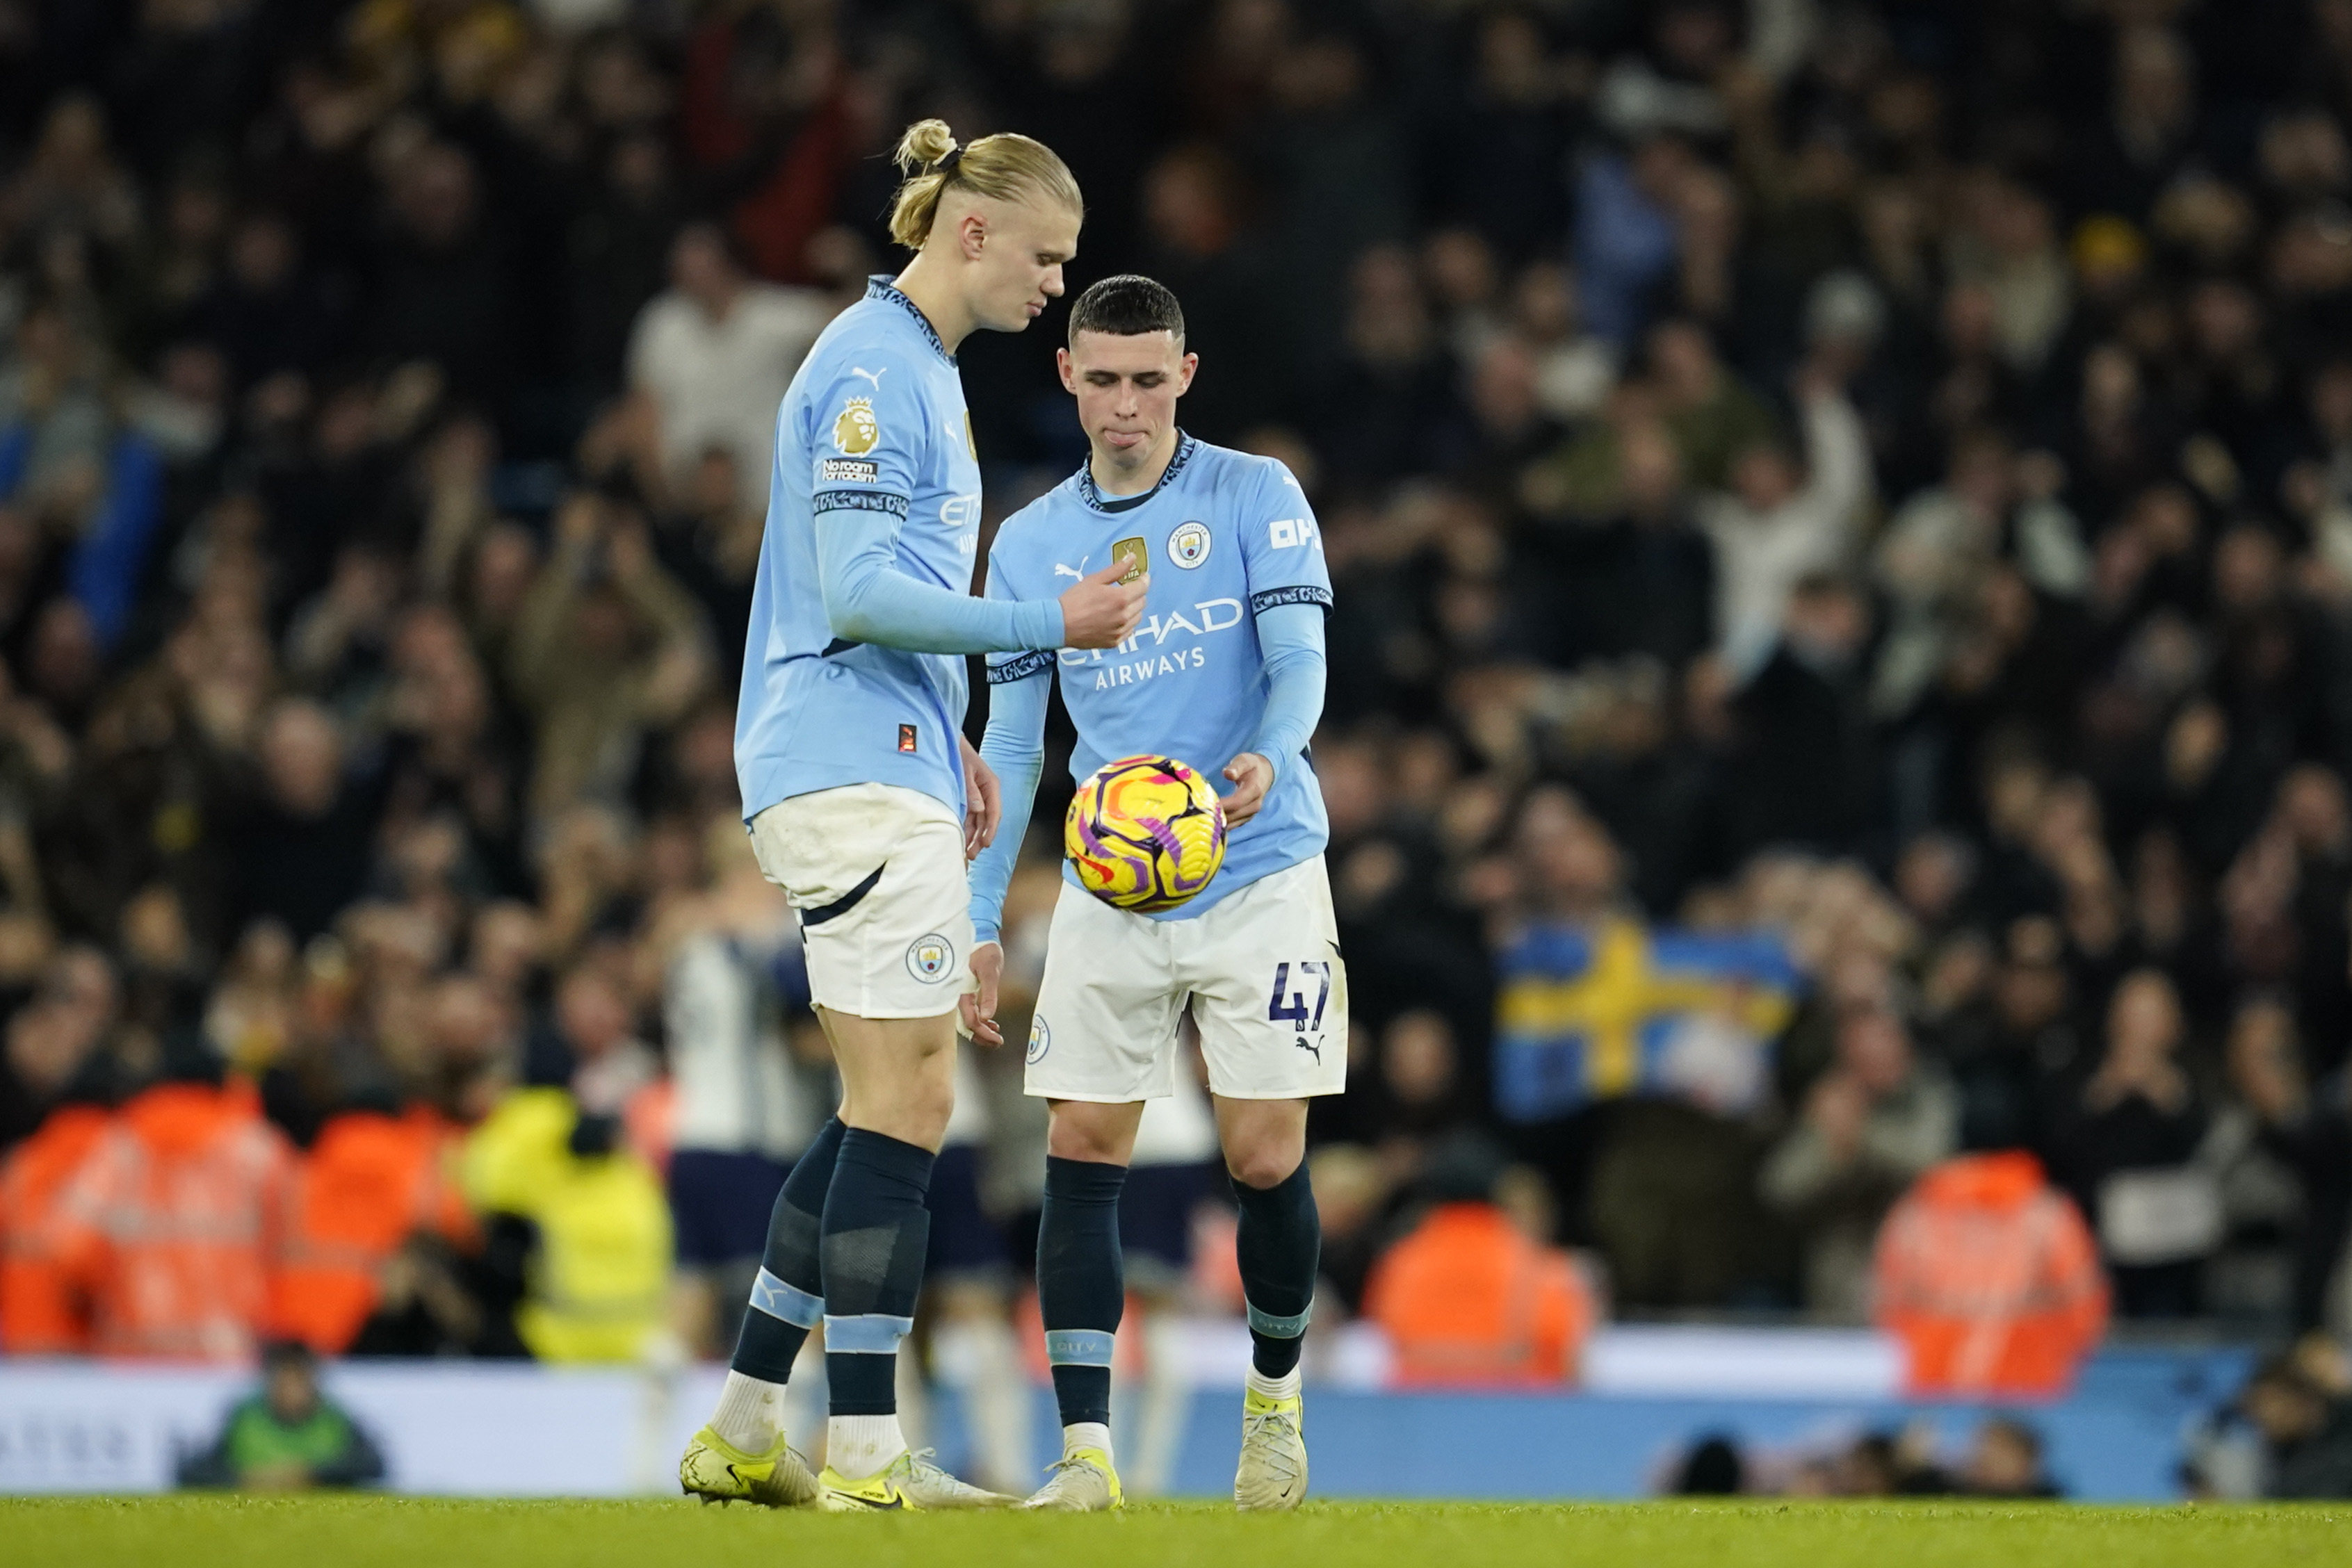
405,1532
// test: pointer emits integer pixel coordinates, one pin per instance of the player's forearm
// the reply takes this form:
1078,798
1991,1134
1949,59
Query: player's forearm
1014,747
868,599
1292,639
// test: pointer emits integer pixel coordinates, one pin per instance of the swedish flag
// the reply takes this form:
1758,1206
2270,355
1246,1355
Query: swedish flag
1586,1012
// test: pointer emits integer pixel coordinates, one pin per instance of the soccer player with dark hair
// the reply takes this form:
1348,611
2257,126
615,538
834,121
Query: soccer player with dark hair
1225,672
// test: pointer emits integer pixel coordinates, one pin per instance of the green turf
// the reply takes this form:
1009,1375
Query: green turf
359,1532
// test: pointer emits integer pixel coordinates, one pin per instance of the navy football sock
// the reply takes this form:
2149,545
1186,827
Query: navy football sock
876,1229
789,1295
1081,1283
1279,1245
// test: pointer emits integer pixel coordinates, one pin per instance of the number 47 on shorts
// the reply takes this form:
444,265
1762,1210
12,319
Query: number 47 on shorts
1291,1007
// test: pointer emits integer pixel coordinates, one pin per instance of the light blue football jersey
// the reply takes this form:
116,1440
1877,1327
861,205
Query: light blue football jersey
874,421
1225,536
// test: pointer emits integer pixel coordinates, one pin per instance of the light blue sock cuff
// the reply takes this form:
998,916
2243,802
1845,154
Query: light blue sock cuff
1079,1347
1274,1327
778,1299
868,1334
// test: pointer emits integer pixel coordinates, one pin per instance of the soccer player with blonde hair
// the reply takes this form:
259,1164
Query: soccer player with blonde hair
863,801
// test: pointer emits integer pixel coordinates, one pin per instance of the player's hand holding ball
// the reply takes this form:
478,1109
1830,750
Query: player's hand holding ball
1101,611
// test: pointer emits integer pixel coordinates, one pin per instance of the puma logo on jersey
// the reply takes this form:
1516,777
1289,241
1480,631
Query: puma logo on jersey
873,376
1061,571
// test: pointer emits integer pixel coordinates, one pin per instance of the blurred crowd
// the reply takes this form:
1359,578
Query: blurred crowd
2004,1459
1841,682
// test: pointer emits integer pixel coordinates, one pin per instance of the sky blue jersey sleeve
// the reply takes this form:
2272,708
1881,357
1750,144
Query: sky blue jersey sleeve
1290,637
867,468
1019,691
1290,593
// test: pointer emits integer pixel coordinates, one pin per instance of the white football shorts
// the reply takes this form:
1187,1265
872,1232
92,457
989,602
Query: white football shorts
1260,970
876,872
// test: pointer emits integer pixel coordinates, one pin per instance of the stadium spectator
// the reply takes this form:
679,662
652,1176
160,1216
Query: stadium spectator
605,645
2275,1223
1871,1126
1771,523
2125,1149
287,1437
593,1219
175,1222
1467,1298
2305,1428
369,1183
743,1110
1990,1279
303,855
2004,1459
610,1068
1712,1467
714,354
41,1312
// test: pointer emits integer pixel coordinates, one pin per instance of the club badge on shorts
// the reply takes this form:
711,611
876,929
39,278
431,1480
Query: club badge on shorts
1040,1039
931,957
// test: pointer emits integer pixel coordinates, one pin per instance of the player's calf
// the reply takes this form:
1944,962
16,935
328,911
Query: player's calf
1278,1245
1081,1294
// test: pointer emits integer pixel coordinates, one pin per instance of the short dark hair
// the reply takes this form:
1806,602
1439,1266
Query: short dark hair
1127,305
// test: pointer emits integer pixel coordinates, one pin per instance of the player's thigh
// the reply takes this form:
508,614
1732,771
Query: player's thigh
1105,1026
1270,989
877,875
898,1074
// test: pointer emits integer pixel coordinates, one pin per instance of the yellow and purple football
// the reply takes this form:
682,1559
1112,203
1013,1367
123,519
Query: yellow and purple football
1145,833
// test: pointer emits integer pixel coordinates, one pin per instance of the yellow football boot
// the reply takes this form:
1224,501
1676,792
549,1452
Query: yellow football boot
1272,1474
910,1483
716,1470
1082,1481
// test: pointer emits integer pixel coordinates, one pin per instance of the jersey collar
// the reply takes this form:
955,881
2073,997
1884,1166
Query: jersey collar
879,287
1099,502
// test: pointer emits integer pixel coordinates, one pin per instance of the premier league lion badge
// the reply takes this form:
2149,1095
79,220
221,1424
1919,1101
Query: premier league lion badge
858,431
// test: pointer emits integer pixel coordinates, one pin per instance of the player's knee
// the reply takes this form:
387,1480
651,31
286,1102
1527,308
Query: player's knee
1080,1139
927,1114
913,1111
1264,1165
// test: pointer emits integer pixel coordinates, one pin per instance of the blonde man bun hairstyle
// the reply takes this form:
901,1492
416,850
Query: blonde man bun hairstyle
1005,167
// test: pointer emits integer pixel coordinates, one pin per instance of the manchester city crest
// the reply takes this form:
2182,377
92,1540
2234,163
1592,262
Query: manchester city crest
1188,547
931,957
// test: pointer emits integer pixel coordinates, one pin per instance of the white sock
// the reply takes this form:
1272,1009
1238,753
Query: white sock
1086,1435
860,1445
1283,1388
751,1413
